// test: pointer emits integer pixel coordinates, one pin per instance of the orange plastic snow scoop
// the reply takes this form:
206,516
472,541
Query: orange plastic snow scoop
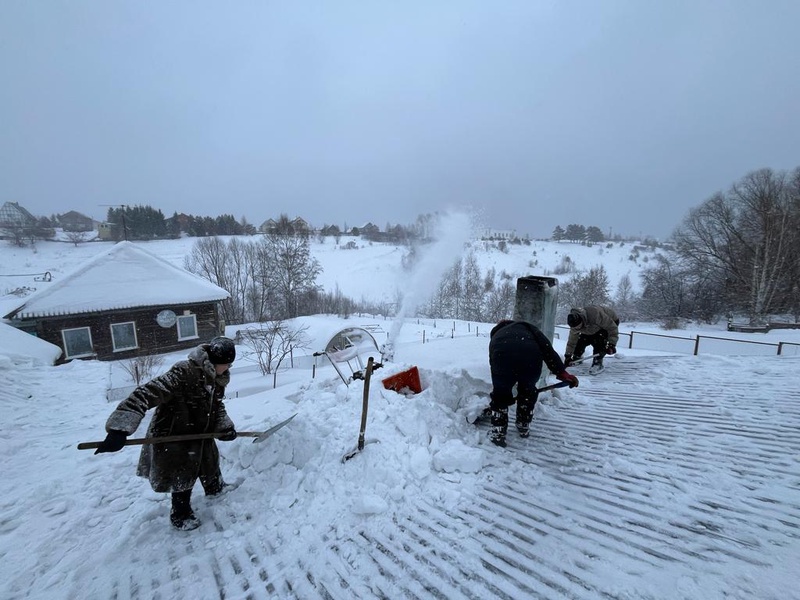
408,379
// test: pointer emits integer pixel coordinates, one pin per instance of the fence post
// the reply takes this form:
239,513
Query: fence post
697,345
780,347
630,341
423,336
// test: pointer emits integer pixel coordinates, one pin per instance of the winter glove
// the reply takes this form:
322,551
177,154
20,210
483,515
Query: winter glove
227,436
611,349
114,442
569,378
567,360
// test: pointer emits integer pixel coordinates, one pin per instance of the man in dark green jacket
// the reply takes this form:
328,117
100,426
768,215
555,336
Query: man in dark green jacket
188,400
595,326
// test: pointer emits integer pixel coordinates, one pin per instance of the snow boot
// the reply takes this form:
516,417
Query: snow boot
181,515
217,488
597,366
524,416
497,434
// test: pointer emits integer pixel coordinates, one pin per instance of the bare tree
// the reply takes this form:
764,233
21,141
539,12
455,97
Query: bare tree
583,290
472,290
499,301
143,368
664,293
742,241
290,270
271,342
76,237
625,299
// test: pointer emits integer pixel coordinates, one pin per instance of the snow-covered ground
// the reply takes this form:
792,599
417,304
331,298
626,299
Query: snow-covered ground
372,271
667,476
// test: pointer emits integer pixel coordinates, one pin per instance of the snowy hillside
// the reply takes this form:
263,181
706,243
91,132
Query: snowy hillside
371,271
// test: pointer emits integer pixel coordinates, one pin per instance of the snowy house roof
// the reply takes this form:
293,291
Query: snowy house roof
124,276
18,346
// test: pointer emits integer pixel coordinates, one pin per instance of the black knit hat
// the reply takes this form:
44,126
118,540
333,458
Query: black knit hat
574,319
221,351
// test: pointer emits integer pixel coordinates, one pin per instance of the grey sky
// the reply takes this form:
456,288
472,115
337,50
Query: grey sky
617,114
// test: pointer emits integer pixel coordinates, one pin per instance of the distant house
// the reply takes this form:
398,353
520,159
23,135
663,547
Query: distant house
296,225
498,234
75,221
124,302
13,215
301,225
268,226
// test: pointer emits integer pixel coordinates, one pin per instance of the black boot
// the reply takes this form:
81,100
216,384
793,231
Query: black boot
181,515
216,488
499,427
524,416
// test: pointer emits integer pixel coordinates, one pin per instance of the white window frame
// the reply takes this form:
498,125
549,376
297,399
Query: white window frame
114,339
64,333
178,327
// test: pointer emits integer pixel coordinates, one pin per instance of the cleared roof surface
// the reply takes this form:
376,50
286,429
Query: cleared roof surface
124,276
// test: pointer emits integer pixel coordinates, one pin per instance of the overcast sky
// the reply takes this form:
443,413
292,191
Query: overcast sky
622,115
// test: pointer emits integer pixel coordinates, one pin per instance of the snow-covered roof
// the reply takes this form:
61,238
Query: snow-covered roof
19,346
124,276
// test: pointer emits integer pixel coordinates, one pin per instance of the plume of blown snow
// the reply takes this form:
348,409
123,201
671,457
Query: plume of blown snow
452,231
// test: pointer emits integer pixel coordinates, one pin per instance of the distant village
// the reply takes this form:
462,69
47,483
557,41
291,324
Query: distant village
143,222
132,223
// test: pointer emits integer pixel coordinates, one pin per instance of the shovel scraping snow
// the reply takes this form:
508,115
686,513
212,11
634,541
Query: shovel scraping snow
364,406
259,436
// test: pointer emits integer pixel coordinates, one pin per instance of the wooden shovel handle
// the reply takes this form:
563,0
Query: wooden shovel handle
170,438
365,403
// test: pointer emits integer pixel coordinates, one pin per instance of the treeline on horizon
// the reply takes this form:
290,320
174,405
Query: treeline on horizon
737,253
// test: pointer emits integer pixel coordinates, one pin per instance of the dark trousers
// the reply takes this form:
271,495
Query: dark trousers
513,364
597,341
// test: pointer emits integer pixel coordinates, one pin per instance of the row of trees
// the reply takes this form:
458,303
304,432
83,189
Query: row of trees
148,223
738,252
578,233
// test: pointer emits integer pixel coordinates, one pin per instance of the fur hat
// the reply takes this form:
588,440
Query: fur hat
221,351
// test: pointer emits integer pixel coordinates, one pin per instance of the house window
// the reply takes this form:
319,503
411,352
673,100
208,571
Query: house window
187,327
123,336
77,342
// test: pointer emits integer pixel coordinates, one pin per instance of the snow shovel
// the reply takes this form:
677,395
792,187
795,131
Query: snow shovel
578,361
259,436
364,407
485,413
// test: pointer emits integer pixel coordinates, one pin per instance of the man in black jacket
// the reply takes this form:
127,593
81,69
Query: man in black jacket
516,352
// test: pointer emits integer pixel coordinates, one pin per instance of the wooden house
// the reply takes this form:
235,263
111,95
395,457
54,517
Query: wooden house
124,302
75,221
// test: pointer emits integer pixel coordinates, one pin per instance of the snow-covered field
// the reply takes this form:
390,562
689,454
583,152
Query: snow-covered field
372,271
668,476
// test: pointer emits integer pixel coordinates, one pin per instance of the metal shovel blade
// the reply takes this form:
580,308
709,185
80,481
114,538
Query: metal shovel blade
358,449
273,429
